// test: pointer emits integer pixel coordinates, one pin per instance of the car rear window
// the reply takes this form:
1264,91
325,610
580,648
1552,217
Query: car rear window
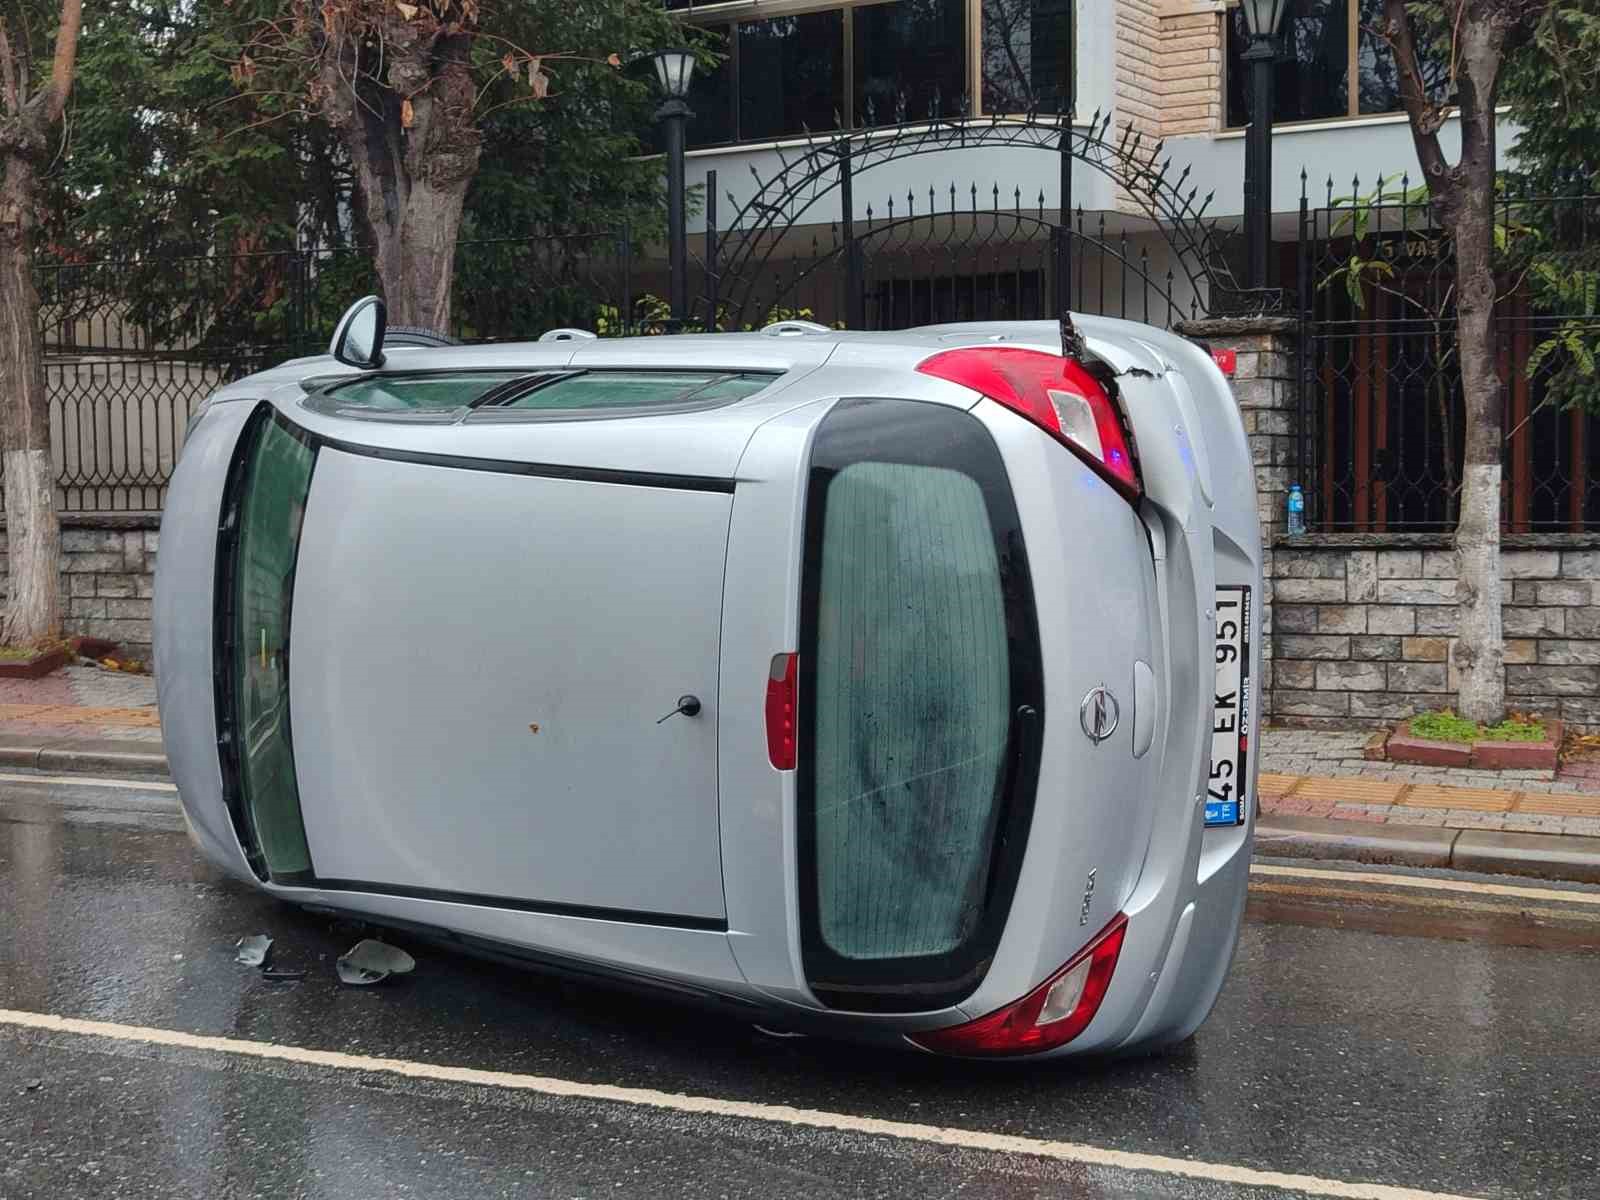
920,690
912,684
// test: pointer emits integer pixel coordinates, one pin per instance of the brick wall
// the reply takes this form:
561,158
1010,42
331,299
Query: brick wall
1169,66
107,577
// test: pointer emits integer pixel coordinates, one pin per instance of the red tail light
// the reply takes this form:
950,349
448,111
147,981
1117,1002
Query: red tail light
1051,1015
781,692
1056,394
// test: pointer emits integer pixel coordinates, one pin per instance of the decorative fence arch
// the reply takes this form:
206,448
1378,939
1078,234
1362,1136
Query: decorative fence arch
754,268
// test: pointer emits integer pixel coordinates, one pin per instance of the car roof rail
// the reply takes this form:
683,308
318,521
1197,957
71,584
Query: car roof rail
793,328
568,335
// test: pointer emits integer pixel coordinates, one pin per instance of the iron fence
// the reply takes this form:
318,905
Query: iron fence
133,346
1381,405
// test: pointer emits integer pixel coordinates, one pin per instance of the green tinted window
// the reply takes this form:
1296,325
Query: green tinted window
419,393
276,482
641,389
912,710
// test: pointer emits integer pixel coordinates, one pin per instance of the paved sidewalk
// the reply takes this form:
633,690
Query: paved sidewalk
81,702
1341,753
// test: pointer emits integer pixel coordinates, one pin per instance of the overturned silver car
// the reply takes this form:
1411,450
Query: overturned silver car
891,685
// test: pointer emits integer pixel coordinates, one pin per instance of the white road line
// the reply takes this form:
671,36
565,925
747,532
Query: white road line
779,1114
139,785
1431,885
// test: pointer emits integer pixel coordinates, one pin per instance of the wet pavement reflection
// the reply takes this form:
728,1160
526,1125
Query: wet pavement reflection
1362,1035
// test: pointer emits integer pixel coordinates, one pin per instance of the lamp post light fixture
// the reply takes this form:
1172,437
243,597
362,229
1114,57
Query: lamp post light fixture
1262,20
674,70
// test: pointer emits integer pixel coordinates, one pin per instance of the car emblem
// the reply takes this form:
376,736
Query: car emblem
1099,714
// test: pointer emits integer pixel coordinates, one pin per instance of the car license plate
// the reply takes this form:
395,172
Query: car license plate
1230,716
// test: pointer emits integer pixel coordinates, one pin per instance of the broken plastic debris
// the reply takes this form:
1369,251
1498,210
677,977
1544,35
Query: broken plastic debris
279,975
372,961
253,950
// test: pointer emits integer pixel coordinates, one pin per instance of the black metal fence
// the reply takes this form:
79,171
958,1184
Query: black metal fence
132,347
1381,408
961,254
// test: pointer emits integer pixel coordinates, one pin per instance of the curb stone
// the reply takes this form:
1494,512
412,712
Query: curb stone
84,756
1557,856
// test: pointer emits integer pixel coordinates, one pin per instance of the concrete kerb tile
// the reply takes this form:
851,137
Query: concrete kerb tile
1535,854
1293,836
87,755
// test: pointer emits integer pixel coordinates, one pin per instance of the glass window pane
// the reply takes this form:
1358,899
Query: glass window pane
711,99
791,75
400,393
1379,80
638,389
912,710
1027,56
276,483
912,48
1312,79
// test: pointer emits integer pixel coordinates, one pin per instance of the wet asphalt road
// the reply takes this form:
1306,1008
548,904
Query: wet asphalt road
1444,1042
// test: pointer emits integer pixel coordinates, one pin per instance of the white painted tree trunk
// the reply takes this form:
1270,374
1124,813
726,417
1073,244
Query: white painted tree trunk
1480,648
34,602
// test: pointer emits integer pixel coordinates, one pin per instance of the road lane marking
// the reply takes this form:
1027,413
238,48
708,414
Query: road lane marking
137,785
777,1114
1431,885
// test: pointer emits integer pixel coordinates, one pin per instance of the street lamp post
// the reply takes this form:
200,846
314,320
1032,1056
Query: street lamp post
1262,19
674,69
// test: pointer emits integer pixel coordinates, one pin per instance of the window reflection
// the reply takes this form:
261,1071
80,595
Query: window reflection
1314,77
913,48
791,74
1379,77
1027,56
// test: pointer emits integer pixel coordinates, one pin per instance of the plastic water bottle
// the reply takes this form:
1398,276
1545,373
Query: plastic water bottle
1297,510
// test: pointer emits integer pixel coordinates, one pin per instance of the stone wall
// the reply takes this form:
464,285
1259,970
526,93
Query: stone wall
108,568
1363,627
1358,628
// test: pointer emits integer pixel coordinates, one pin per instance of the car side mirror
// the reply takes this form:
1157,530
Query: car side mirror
358,338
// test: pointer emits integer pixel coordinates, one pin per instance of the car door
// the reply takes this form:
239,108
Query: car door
484,664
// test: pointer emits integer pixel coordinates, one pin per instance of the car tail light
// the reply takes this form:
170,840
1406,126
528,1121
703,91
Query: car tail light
781,689
1057,394
1051,1015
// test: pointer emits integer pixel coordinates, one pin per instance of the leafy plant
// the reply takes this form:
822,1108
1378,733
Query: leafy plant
1446,726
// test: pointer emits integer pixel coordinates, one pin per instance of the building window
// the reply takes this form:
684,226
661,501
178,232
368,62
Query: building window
1027,56
1332,65
913,48
790,69
791,74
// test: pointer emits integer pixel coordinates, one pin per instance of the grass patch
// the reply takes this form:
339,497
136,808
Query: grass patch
1445,726
24,653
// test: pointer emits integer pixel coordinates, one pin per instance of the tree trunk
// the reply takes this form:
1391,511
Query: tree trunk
414,145
1479,648
33,608
1463,200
